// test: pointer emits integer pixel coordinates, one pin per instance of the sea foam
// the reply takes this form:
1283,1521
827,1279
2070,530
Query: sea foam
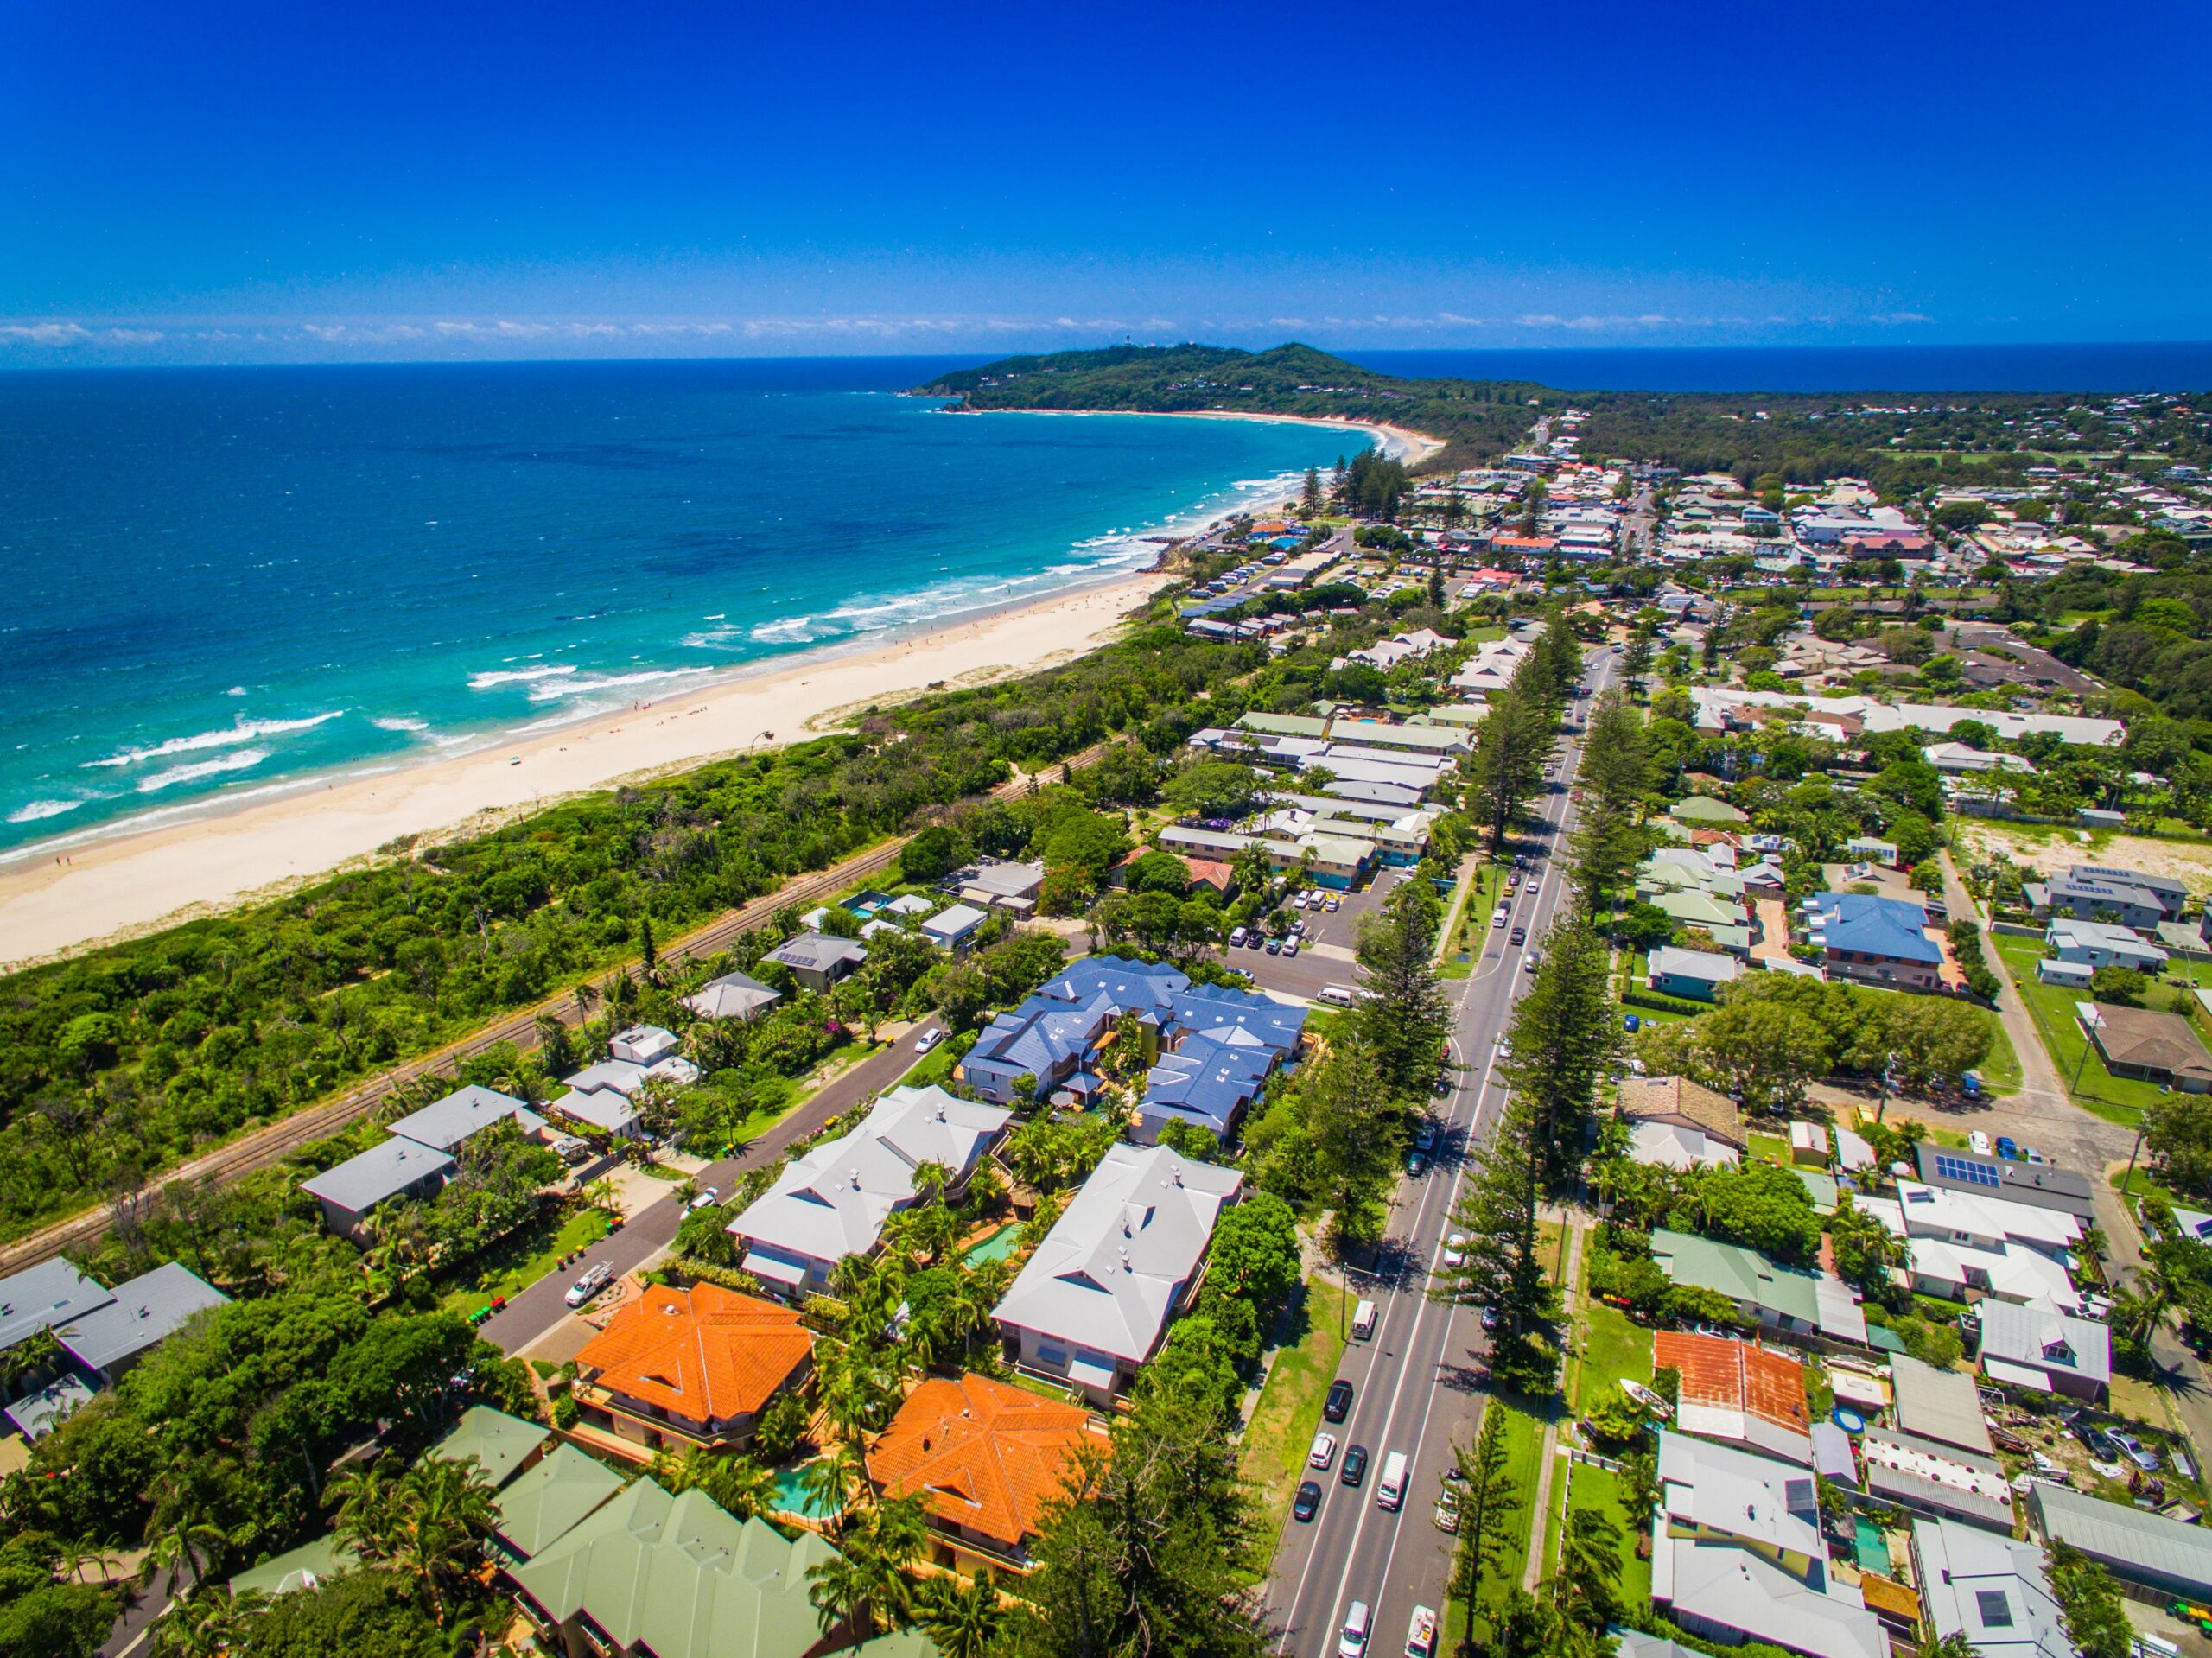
246,731
245,761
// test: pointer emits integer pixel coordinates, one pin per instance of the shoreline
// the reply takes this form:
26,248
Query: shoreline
1398,442
259,849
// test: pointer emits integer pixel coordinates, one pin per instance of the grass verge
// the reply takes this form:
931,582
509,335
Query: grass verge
2116,1099
1272,1459
523,1257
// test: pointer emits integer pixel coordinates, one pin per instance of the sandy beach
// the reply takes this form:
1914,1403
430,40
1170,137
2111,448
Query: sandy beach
132,883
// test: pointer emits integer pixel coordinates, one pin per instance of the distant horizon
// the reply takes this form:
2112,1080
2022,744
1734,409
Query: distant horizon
2005,367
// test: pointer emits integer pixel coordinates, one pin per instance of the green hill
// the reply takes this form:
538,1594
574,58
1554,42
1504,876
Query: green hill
1478,420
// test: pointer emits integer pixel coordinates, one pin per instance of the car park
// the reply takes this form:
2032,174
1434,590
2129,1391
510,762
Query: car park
1324,1452
1308,1502
1337,1405
1355,1468
595,1278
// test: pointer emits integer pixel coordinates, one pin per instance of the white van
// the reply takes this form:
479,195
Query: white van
1362,1321
1421,1634
1337,995
1390,1490
1352,1641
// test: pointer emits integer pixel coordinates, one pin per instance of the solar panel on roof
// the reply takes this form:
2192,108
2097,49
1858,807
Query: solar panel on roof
1960,1168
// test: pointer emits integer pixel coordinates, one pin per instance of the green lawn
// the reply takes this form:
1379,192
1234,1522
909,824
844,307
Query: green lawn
1288,1413
934,1066
1613,1346
2000,1071
1524,1441
2116,1099
1594,1487
1474,934
521,1258
1771,1148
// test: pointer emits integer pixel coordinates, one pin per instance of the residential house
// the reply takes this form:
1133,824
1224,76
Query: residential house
501,1445
2089,945
733,995
2170,1558
832,1201
819,960
2171,896
1992,1590
353,1191
308,1566
2155,1047
2041,1185
675,1369
1677,1124
1738,1392
1093,1302
2085,898
1964,1245
547,1501
1937,1480
983,1458
1943,1405
1786,1299
1725,919
140,1314
1877,940
1871,849
1737,1553
953,927
1693,974
451,1122
2044,1352
1707,810
997,885
648,1575
1963,759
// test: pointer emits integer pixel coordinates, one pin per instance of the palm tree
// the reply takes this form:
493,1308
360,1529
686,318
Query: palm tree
209,1625
963,1620
838,1588
831,1481
367,1500
446,1511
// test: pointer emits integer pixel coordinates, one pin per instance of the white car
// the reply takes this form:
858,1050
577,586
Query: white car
930,1039
1290,947
1455,1249
707,1197
1505,1047
594,1280
1978,1143
1324,1452
1497,918
1333,905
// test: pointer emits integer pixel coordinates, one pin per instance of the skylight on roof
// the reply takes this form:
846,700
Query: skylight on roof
1996,1610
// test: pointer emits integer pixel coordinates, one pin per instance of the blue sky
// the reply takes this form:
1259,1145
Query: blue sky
211,182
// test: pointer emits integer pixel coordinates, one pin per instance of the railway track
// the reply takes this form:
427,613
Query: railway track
272,1143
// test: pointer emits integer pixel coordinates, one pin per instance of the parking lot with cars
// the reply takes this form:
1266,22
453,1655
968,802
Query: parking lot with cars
1325,940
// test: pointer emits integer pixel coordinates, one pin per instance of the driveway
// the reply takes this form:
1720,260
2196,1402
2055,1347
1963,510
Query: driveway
540,1310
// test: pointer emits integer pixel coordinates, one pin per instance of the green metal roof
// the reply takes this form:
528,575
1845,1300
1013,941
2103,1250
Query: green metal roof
1704,809
1284,725
552,1499
681,1576
500,1442
1739,1274
300,1568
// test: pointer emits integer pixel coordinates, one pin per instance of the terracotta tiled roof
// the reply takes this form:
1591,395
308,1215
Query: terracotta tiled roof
980,1454
1735,1375
706,1353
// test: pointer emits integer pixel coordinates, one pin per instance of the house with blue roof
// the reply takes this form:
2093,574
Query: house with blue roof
1881,941
1211,1048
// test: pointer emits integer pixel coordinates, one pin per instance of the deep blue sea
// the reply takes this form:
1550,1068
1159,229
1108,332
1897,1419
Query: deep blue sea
220,581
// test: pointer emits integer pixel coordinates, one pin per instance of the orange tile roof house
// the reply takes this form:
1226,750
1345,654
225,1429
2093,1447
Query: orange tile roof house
679,1368
1739,1394
983,1458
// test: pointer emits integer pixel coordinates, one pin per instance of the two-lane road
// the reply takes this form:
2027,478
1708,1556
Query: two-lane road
1415,1385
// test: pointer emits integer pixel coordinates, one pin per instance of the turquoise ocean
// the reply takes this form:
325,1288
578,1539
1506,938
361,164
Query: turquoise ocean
222,584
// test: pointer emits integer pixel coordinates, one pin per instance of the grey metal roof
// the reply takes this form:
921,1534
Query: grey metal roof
145,1310
817,952
1940,1405
2117,1531
40,1297
2044,1341
360,1184
39,1413
2041,1185
466,1111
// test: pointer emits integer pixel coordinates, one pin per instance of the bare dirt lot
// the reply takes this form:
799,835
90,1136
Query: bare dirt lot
2050,847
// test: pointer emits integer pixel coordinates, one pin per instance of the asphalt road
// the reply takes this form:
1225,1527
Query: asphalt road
1419,1382
541,1307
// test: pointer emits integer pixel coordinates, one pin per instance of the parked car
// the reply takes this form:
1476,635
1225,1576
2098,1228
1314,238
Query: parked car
1274,946
1447,1509
1290,947
1490,1318
2007,1147
707,1197
1534,960
1236,939
1416,1166
1497,918
930,1037
1324,1452
1425,1137
2139,1453
1455,1249
2099,1442
1355,1468
1351,1639
594,1280
1333,905
1308,1502
1978,1143
1337,1405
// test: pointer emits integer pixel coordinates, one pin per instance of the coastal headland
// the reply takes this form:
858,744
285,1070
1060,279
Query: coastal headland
63,898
